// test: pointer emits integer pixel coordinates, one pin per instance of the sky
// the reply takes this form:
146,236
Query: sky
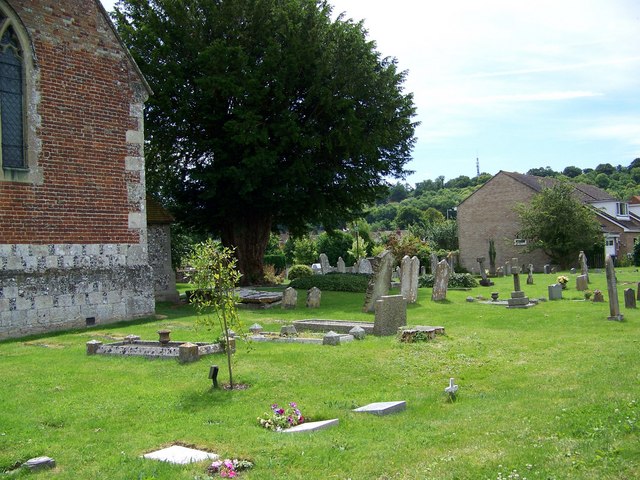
512,84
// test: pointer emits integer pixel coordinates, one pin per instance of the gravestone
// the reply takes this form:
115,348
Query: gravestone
409,278
358,333
434,263
325,267
572,270
612,289
638,295
313,297
507,268
485,282
289,298
341,266
423,270
450,259
39,463
500,271
581,283
597,296
441,282
629,298
518,298
584,269
547,268
555,291
380,281
365,266
391,314
530,275
383,408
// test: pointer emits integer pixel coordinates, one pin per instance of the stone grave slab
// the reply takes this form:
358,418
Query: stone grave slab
383,408
180,455
311,426
40,463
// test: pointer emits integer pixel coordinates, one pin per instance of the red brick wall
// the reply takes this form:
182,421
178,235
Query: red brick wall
86,85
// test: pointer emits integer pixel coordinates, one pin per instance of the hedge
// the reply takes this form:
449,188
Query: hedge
335,282
456,280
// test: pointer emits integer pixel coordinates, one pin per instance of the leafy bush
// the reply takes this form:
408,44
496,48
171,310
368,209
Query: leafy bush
335,244
278,261
305,251
335,282
300,271
457,280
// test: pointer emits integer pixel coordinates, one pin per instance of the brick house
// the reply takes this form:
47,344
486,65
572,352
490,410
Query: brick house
73,231
488,214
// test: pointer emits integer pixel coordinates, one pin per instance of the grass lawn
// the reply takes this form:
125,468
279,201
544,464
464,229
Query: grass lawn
550,392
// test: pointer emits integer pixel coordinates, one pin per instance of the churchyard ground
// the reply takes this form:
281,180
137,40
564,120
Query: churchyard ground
550,392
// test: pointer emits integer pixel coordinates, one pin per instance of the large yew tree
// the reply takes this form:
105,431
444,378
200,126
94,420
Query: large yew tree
265,113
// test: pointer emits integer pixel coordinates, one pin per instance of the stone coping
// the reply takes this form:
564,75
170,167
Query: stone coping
338,326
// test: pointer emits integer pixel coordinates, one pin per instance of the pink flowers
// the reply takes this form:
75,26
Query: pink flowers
281,418
228,468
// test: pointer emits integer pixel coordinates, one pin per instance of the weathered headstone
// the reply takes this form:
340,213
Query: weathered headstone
325,266
530,275
358,333
629,298
500,272
612,289
391,313
555,291
485,282
331,338
313,297
451,260
507,268
380,281
39,463
423,270
581,283
597,296
365,266
289,298
572,270
341,266
584,269
288,331
515,271
638,295
441,282
434,263
547,268
409,278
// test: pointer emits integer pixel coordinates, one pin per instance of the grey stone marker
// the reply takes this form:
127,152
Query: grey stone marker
325,267
313,297
485,282
358,333
289,298
188,352
331,338
597,296
341,266
288,331
311,426
441,282
638,295
391,313
434,263
423,270
581,283
530,275
180,455
380,281
383,408
365,266
256,329
507,268
629,298
555,291
409,278
612,288
572,270
500,272
93,346
584,269
518,298
547,268
39,463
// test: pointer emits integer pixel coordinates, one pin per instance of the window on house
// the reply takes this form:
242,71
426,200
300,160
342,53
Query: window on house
12,153
519,242
622,209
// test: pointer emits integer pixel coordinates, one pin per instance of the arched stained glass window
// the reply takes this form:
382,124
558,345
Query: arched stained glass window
11,97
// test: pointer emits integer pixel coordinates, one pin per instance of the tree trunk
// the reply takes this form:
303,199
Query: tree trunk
249,235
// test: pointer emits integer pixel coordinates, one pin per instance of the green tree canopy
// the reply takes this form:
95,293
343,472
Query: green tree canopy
559,224
265,113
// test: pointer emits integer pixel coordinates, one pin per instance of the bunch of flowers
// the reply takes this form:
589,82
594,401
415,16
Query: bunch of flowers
281,418
562,280
228,468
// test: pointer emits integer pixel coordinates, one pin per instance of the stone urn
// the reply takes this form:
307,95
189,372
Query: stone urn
164,337
494,296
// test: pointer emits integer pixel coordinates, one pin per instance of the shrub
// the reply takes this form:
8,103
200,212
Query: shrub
336,282
457,280
270,275
335,244
305,251
278,261
300,271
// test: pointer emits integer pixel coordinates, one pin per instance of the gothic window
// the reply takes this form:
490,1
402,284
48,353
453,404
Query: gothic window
12,154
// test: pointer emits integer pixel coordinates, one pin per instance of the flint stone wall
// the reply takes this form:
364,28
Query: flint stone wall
53,287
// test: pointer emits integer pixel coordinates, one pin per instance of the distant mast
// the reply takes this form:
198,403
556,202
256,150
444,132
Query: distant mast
477,167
